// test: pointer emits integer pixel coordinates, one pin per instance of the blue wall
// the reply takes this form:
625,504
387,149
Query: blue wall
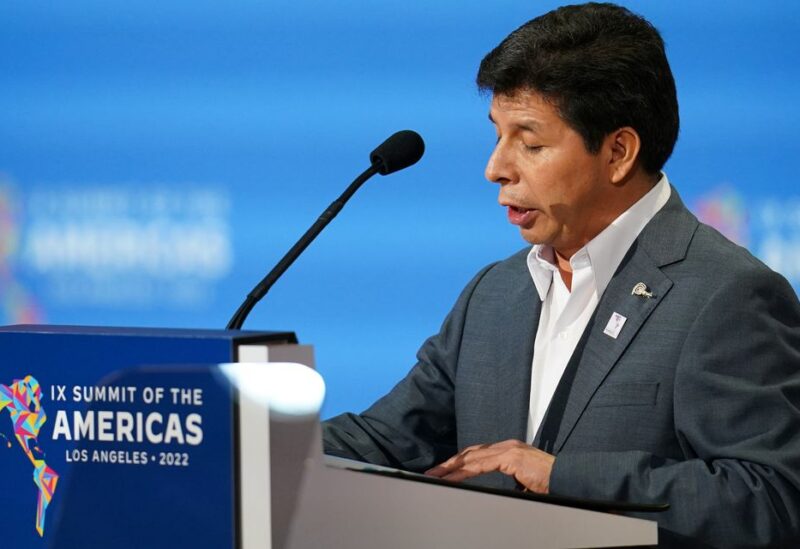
156,158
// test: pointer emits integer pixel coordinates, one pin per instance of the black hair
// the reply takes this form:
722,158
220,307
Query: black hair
603,68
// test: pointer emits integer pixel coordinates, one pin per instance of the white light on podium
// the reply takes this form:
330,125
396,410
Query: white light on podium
289,389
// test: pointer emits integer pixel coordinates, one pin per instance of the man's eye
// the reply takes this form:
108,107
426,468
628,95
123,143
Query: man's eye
533,148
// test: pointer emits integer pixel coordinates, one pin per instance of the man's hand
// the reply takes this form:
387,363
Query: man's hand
528,465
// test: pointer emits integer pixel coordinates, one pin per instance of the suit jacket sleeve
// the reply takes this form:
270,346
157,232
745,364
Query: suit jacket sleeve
413,426
737,418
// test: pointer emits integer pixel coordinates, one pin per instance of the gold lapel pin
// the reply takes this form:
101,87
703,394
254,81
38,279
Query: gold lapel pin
641,290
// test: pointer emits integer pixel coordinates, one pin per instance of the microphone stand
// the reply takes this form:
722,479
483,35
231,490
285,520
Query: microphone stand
266,283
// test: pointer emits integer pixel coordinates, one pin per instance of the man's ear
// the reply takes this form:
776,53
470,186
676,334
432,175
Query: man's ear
624,145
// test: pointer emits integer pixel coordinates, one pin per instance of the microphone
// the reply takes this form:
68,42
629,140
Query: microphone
399,151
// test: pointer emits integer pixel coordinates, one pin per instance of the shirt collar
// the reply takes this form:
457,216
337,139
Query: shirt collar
604,252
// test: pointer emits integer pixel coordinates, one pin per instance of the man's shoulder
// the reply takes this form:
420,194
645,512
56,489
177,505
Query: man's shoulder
682,245
717,254
719,270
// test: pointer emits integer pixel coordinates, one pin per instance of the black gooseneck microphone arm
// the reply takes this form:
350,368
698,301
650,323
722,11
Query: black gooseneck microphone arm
400,151
266,283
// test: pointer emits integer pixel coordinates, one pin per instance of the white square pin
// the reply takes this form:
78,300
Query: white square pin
615,324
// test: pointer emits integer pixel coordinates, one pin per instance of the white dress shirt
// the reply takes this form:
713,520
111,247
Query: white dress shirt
566,313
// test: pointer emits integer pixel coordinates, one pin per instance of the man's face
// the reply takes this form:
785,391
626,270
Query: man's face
552,187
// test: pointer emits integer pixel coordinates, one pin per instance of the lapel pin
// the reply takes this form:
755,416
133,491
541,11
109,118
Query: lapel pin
615,324
641,290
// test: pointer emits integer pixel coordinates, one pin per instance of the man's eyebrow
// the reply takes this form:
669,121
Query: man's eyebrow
529,125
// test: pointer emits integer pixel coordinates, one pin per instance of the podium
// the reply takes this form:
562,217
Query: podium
341,508
137,438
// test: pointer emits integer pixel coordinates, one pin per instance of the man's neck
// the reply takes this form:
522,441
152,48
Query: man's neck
618,202
635,188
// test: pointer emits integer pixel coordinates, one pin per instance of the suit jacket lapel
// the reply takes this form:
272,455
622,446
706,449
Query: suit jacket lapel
663,241
601,351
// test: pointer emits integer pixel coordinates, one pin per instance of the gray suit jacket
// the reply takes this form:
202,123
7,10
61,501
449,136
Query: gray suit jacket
696,402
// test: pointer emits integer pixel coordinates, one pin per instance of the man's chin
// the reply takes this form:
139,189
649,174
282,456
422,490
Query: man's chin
532,236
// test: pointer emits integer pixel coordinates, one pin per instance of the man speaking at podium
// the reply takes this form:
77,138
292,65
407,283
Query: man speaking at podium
632,353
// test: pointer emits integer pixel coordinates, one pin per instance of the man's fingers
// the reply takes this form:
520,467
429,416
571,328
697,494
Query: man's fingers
464,458
438,471
529,466
511,443
476,467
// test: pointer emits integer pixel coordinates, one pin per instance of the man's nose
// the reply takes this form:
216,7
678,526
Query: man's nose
499,168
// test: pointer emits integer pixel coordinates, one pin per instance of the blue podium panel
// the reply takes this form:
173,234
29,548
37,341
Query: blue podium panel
110,437
156,491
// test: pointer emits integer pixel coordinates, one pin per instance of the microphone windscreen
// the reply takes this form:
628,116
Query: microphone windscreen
400,151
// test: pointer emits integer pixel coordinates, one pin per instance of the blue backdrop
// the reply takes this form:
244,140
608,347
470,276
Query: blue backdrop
156,158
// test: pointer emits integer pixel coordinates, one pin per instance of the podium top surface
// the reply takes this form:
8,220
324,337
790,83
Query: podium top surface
241,336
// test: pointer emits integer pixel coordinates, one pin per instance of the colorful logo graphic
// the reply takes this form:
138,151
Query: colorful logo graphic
23,401
768,226
724,209
16,304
